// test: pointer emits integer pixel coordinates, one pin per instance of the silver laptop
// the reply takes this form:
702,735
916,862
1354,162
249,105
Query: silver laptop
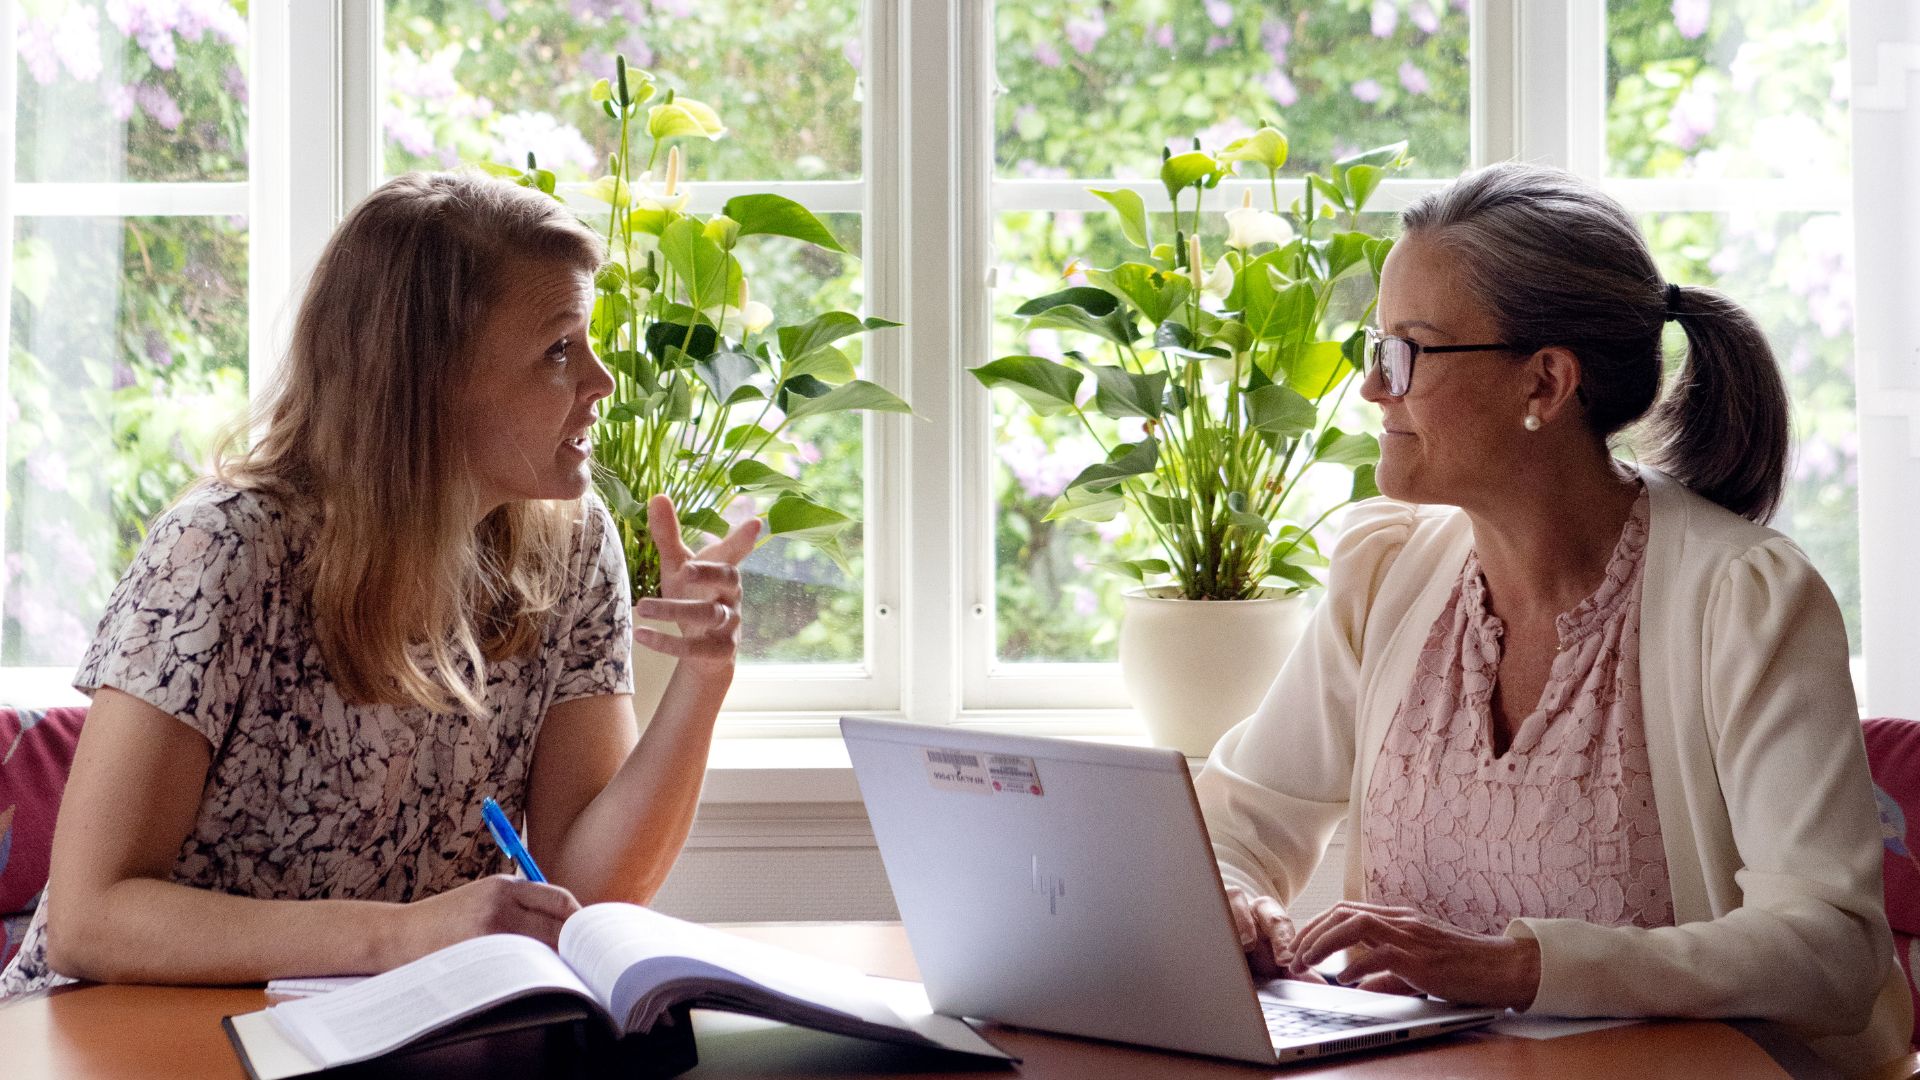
1070,887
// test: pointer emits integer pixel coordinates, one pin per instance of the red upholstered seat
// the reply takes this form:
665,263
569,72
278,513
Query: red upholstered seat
36,751
1893,755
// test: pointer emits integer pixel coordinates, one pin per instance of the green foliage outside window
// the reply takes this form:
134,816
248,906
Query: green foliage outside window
1702,88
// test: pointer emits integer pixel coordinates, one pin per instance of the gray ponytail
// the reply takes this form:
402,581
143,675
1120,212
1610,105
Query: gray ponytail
1722,428
1559,262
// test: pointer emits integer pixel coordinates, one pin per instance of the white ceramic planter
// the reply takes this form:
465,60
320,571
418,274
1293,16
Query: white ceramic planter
1194,668
652,672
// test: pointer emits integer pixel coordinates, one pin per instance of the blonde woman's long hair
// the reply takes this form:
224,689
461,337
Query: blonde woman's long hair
410,600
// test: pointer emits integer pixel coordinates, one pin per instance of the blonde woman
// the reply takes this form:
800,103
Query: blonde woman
400,600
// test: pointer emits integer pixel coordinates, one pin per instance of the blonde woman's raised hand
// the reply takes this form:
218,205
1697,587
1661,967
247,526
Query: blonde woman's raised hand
699,590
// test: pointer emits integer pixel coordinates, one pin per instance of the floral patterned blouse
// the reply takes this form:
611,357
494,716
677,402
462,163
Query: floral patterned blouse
1562,825
309,796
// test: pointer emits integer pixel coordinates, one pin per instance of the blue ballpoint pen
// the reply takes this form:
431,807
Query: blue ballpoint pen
508,839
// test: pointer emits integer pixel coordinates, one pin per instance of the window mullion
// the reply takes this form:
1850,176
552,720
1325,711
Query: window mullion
9,71
1885,53
939,203
1496,94
1560,84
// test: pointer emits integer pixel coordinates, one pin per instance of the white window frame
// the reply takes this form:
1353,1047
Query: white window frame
928,196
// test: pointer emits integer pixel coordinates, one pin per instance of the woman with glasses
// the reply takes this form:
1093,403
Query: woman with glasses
1588,725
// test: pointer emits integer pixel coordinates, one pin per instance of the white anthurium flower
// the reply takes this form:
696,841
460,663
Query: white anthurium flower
1218,370
645,194
751,319
1219,281
1247,227
757,316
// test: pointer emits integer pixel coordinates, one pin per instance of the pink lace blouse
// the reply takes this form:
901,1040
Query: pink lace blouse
1560,826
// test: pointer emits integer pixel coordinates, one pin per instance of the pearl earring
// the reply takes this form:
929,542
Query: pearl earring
1531,423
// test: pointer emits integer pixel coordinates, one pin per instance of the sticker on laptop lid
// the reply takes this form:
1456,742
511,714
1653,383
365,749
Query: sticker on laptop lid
957,770
1014,775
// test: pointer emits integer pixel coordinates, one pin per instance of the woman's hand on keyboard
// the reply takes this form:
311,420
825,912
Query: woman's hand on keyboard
1423,954
1266,935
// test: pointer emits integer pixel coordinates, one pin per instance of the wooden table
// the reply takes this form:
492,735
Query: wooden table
132,1032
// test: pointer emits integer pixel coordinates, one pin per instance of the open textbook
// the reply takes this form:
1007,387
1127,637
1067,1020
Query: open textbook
629,965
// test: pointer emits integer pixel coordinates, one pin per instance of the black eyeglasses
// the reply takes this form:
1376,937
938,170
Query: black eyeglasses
1393,357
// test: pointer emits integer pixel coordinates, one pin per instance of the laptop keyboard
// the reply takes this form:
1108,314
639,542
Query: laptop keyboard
1286,1021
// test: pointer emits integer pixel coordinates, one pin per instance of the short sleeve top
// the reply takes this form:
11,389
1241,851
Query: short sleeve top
309,796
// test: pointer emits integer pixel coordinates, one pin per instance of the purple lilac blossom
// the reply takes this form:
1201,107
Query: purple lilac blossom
236,83
1084,602
48,470
72,562
160,105
154,344
1823,274
806,452
1161,35
1216,42
1221,12
1816,459
34,40
1044,343
411,133
1413,78
1047,55
120,102
1215,138
1424,17
1280,88
160,49
1043,471
122,376
1275,36
1386,17
496,10
552,141
1069,221
1084,34
678,9
1694,114
76,40
1367,90
1690,17
412,76
638,52
854,52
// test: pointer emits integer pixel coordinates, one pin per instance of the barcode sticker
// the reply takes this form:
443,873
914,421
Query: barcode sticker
1013,775
957,770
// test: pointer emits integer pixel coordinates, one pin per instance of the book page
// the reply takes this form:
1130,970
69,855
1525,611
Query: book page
605,942
390,1010
642,963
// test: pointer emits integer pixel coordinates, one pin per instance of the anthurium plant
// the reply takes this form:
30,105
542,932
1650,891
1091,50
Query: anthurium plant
1231,371
710,385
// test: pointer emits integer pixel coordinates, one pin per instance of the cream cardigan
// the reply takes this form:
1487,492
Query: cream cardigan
1760,777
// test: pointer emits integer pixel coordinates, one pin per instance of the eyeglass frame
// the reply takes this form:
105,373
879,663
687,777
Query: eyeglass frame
1376,342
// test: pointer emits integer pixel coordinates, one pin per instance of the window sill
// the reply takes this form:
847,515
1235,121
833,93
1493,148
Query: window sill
749,771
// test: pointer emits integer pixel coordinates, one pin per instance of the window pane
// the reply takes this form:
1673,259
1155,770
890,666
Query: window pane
490,81
128,352
128,91
1093,88
1748,89
1054,602
799,606
1794,273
